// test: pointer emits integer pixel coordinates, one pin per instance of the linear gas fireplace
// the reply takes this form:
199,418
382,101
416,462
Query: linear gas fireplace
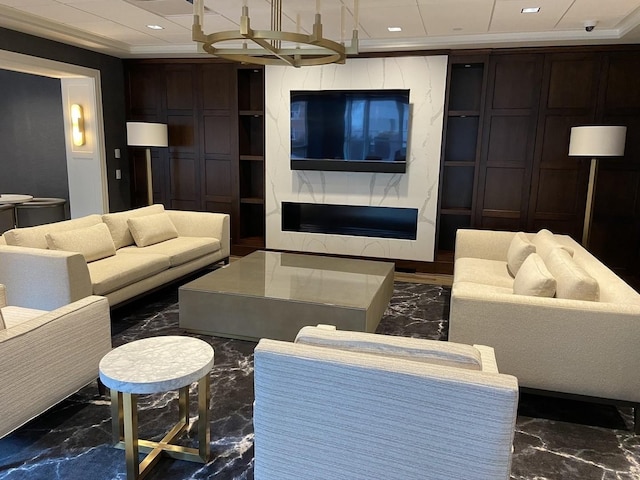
357,220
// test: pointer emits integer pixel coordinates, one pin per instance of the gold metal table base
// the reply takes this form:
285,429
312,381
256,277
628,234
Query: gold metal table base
124,411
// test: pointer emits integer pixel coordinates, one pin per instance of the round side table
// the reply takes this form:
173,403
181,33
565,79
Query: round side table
153,365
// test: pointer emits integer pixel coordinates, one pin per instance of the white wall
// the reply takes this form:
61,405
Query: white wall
418,188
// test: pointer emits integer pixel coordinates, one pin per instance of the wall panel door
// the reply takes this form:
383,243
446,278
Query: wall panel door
615,229
559,182
508,141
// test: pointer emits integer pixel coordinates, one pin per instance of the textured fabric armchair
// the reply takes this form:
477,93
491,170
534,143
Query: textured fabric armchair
47,356
350,405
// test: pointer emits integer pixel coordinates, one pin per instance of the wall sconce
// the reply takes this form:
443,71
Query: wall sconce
77,125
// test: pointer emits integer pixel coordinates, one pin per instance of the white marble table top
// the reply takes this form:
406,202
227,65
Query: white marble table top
156,364
14,198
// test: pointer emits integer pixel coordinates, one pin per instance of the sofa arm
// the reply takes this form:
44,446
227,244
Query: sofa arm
461,422
43,279
486,244
203,224
49,357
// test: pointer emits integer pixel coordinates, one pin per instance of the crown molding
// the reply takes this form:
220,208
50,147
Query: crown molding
41,27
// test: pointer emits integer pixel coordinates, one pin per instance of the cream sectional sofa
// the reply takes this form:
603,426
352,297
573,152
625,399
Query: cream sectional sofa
116,255
572,346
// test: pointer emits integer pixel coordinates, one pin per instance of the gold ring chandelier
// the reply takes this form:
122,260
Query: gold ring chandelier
304,50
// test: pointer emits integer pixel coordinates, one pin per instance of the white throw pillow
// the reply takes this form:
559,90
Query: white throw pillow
93,242
519,249
534,278
545,241
573,280
152,229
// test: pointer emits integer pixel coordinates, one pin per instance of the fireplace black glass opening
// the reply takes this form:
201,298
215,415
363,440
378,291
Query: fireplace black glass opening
358,220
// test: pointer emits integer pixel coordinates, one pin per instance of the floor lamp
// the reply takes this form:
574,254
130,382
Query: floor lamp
143,134
594,142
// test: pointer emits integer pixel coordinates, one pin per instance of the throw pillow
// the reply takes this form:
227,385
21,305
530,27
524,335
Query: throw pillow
519,249
152,229
117,223
573,280
93,242
534,278
545,241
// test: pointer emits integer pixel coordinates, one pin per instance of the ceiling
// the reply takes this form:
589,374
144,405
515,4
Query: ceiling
119,27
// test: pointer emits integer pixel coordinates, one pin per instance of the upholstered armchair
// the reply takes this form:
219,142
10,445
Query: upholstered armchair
45,356
350,405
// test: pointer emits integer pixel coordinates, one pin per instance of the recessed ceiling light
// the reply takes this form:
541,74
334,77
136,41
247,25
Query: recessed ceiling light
155,27
394,29
530,10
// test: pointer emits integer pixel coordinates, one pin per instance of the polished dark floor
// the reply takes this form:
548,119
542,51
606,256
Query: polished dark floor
555,439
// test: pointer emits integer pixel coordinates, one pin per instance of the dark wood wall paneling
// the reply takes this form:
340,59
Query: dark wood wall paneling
525,178
196,100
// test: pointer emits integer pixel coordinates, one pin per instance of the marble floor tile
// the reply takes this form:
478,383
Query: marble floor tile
554,439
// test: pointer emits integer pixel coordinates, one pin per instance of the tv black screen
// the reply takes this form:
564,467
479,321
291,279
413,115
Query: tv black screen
350,130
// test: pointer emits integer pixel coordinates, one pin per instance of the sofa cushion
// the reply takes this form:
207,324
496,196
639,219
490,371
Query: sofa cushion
534,278
151,229
117,223
573,281
485,272
416,349
2,325
545,242
519,249
92,242
35,237
112,273
179,250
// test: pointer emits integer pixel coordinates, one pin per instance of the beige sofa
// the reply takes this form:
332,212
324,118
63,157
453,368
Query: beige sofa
583,347
47,356
117,255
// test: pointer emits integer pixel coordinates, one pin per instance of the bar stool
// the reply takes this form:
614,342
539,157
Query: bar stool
40,211
7,221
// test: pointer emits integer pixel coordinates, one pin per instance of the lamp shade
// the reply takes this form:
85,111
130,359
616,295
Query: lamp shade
597,141
144,134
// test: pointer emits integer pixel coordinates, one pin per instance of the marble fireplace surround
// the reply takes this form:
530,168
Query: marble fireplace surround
425,77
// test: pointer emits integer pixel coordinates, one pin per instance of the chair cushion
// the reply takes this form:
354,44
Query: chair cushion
573,281
92,242
519,249
117,223
35,237
151,229
112,273
416,349
534,278
545,242
179,250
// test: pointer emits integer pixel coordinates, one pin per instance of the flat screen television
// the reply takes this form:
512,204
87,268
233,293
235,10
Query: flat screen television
350,130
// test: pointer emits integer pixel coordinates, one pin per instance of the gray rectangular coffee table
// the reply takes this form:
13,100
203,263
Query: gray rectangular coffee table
273,295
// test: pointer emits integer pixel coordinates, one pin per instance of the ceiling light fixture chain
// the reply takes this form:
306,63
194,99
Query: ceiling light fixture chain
309,50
